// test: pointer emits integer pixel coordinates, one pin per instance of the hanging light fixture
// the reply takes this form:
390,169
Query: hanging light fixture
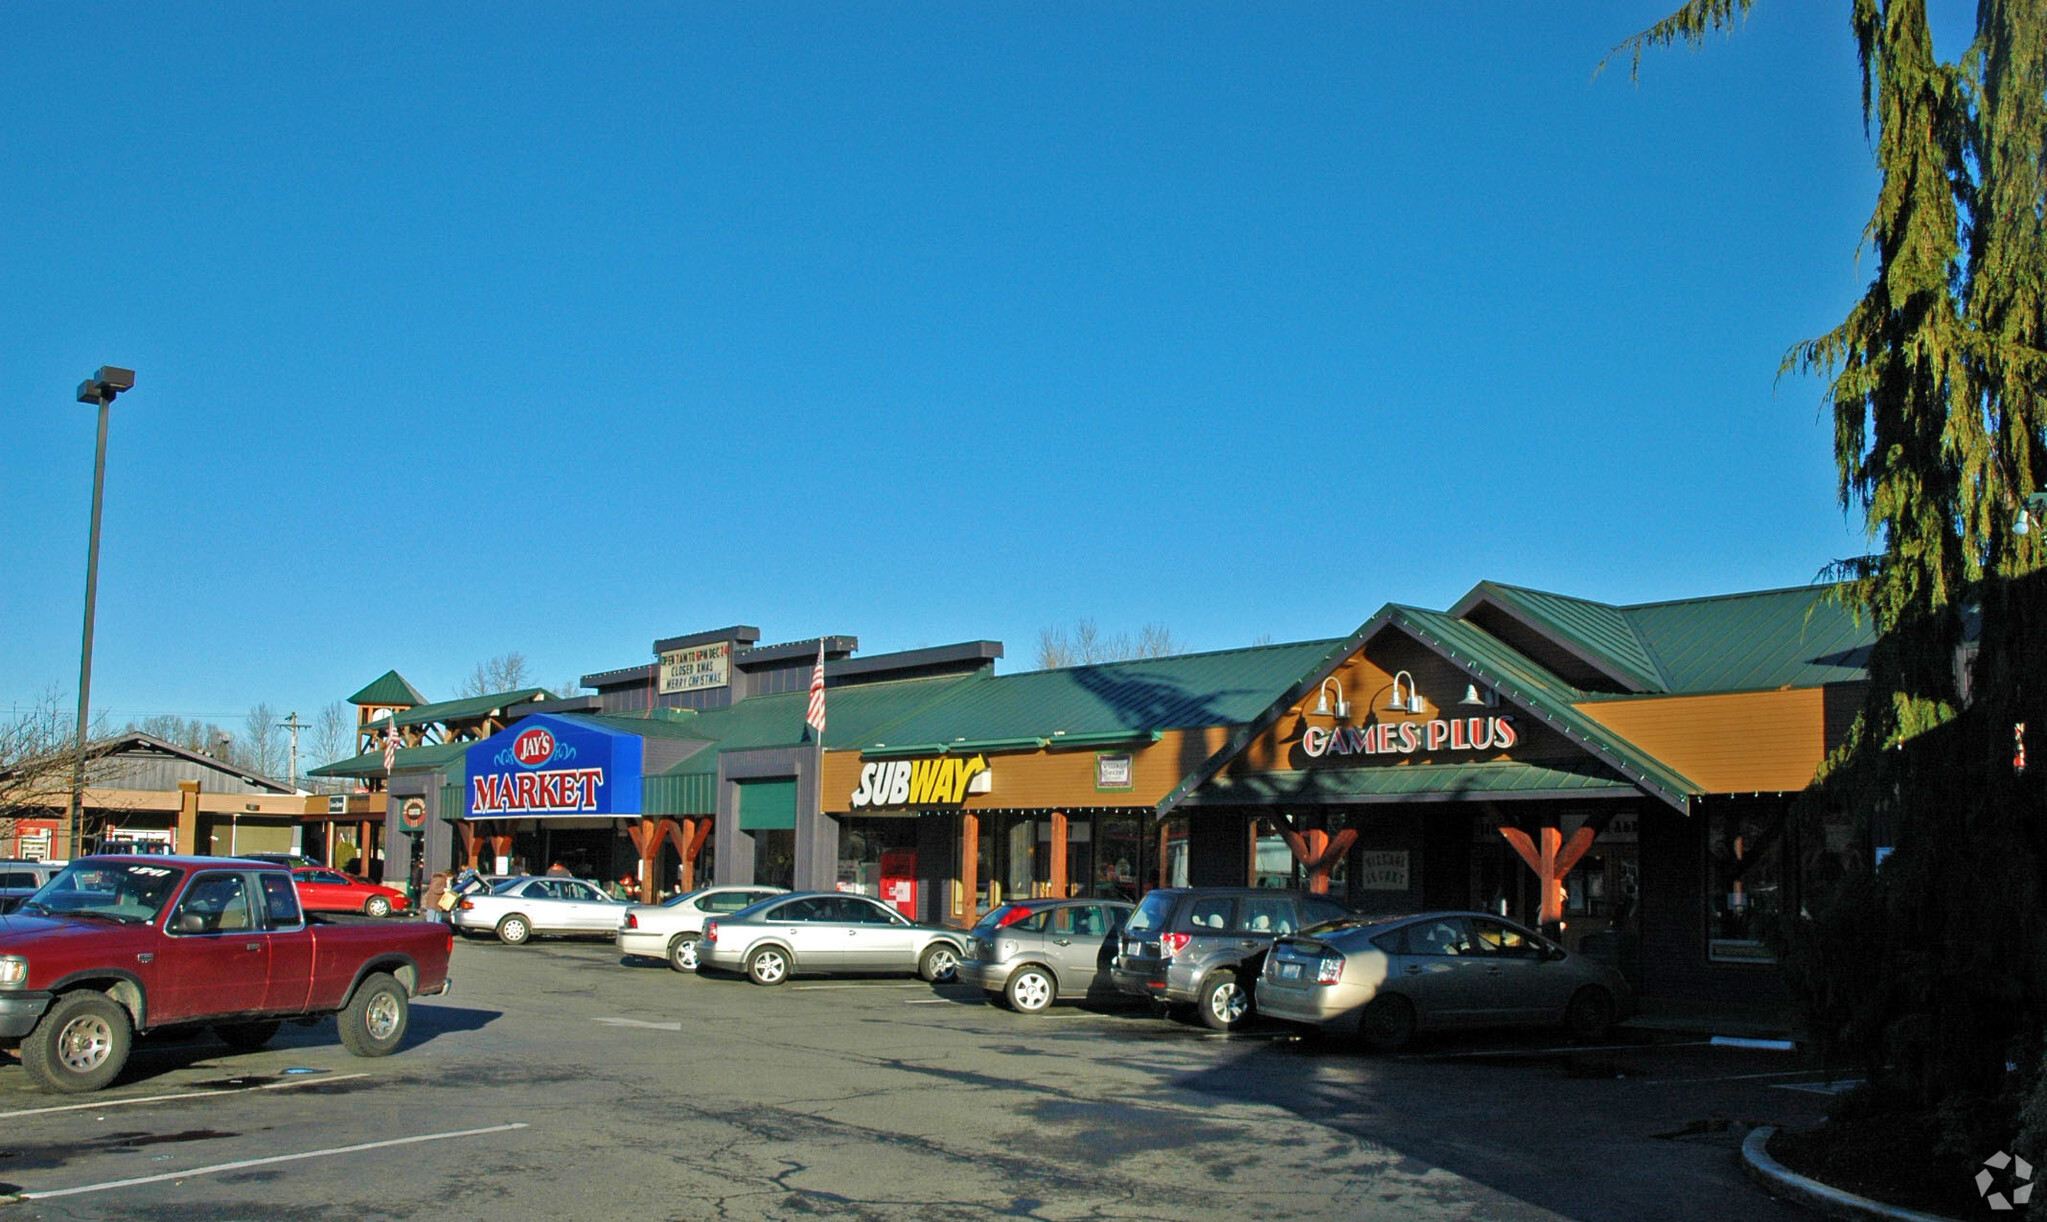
1413,702
1479,699
1322,707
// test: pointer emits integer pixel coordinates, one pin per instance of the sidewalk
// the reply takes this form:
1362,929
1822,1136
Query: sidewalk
1740,1020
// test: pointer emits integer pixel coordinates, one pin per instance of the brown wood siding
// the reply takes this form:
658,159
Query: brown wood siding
1742,742
1056,780
1367,682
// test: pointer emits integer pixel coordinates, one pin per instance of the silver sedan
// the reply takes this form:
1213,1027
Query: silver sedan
826,932
670,930
518,908
1383,979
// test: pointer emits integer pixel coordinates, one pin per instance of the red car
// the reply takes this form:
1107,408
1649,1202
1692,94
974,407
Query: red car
324,890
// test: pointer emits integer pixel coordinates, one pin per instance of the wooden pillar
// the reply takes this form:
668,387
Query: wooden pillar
688,836
187,839
1165,840
1551,863
1316,850
970,866
1056,874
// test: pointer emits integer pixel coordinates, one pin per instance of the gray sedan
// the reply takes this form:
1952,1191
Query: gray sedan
1383,979
826,932
1035,952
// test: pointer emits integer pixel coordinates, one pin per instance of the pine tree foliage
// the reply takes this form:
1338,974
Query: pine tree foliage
1932,970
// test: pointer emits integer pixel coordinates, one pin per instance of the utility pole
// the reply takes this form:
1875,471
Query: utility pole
293,724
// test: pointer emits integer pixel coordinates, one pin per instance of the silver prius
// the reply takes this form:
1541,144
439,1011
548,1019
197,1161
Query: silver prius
1383,979
1035,952
670,930
825,932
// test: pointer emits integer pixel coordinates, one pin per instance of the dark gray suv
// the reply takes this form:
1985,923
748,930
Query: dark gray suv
21,879
1204,946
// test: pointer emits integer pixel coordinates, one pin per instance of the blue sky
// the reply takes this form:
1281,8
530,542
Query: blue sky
462,329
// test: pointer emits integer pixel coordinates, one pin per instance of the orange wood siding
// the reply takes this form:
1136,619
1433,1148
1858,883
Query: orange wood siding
1741,742
1366,679
1052,780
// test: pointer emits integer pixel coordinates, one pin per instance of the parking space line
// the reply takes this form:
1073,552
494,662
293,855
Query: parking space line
1542,1052
194,1094
1734,1077
272,1160
637,1022
805,988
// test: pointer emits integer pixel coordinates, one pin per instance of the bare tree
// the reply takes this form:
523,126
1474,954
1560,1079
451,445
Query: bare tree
333,733
504,673
263,750
1087,645
37,760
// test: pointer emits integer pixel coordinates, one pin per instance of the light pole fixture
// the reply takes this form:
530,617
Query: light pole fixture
2030,507
106,382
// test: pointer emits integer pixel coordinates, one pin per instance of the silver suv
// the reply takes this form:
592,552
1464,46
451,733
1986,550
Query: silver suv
1204,946
21,879
1035,952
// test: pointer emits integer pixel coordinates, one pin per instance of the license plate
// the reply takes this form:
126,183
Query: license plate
1289,971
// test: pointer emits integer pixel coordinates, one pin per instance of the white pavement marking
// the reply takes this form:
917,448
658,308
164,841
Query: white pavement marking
259,1162
1733,1077
931,1001
194,1094
804,988
1820,1088
1538,1052
638,1022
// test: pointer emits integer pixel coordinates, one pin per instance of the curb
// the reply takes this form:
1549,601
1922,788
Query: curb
1779,1180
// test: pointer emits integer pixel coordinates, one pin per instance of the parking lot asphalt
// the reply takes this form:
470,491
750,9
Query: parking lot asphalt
557,1081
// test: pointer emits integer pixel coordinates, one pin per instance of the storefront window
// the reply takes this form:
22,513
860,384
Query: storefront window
862,845
1118,857
774,857
1745,882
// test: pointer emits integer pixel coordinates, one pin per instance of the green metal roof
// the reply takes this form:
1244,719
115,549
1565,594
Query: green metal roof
1117,701
388,688
469,708
851,713
429,758
1757,641
1413,783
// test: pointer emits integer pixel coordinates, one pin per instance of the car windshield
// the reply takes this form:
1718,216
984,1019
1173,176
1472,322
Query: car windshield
121,891
1151,914
1008,914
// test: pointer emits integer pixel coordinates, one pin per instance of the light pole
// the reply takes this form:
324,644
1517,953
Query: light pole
100,388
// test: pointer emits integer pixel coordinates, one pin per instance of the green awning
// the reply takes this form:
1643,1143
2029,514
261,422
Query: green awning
767,806
1414,783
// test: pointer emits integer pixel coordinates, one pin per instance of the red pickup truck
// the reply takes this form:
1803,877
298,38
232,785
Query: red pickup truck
113,946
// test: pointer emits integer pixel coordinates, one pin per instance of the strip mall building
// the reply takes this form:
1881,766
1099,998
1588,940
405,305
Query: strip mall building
1626,770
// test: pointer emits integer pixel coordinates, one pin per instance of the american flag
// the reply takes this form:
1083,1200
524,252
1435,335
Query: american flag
815,717
390,747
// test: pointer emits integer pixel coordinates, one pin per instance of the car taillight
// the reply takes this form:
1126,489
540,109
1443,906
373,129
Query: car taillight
1171,944
631,921
1329,972
710,931
467,904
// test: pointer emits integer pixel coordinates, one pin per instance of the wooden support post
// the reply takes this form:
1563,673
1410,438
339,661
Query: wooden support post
688,836
1056,872
1165,839
1316,850
1551,863
469,842
187,838
970,866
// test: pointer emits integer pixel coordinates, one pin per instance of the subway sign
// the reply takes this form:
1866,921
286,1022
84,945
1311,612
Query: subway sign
544,766
943,781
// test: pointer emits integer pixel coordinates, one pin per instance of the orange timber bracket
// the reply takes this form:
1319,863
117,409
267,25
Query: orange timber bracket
1551,863
1316,850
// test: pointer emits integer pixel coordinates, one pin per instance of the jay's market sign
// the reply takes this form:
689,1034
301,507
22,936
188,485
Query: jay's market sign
1408,737
547,766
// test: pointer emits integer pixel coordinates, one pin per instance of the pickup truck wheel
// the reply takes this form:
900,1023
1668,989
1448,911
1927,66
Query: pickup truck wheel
376,906
682,953
246,1037
513,930
940,963
80,1044
373,1022
1225,1005
768,965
